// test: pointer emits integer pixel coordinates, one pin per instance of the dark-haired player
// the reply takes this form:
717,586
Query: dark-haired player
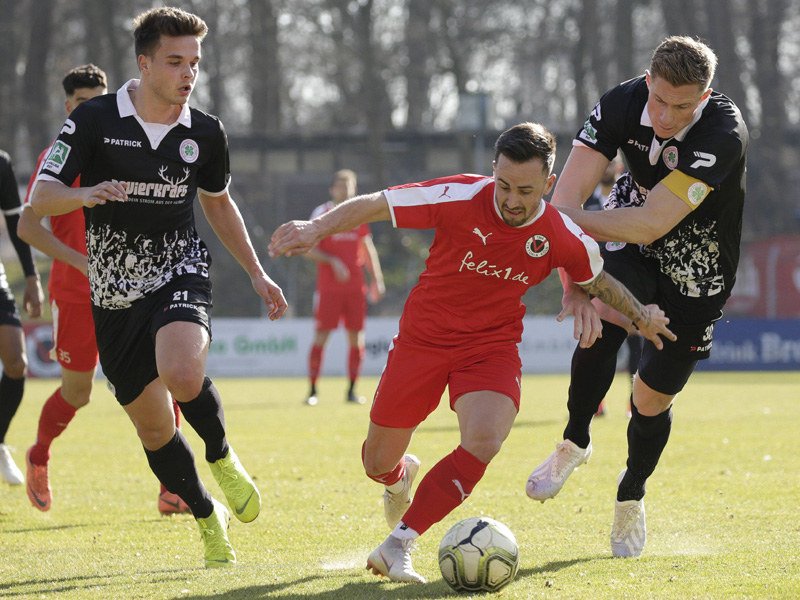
462,323
68,289
143,154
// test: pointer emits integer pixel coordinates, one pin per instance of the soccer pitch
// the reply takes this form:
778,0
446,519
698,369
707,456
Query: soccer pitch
721,508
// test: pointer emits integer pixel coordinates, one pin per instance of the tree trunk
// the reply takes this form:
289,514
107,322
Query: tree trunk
9,82
35,78
266,81
418,76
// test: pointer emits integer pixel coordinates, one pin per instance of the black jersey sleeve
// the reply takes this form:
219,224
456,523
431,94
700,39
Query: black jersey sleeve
711,156
9,192
75,145
11,207
215,174
604,128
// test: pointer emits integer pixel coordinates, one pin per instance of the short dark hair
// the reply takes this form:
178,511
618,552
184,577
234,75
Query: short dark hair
85,76
681,60
526,141
149,26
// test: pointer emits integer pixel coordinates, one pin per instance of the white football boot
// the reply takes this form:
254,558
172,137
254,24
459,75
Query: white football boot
8,468
629,532
548,478
396,504
392,559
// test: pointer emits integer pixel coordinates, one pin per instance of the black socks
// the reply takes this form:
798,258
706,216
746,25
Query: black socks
647,437
174,466
11,391
592,372
206,417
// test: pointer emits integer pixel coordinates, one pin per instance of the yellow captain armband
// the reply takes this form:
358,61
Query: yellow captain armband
690,190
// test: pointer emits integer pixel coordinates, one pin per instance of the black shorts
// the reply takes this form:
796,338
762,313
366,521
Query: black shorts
9,315
126,337
691,319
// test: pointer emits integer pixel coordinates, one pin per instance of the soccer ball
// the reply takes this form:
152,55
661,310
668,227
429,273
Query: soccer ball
478,554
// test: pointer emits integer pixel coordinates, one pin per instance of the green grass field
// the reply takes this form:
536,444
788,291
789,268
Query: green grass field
721,508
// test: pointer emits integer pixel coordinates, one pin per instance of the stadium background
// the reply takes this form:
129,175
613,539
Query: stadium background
406,90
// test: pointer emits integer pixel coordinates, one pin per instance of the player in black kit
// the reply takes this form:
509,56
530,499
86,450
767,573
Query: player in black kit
143,154
12,338
672,236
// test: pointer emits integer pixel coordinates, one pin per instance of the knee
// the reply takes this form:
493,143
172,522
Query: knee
184,382
377,463
17,367
483,446
153,436
76,399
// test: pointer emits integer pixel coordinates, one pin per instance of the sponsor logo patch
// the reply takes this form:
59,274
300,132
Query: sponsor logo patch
190,151
57,157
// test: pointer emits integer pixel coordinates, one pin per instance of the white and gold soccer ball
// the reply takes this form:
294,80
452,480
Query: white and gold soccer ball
478,554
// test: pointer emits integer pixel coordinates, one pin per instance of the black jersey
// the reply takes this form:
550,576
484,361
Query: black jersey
700,254
135,247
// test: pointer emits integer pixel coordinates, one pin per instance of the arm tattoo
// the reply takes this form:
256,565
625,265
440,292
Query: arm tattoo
617,296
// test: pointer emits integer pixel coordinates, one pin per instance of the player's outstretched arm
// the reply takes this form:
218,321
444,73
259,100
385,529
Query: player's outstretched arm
298,237
31,230
54,198
225,219
650,319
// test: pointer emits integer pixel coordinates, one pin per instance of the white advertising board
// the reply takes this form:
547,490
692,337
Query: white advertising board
259,347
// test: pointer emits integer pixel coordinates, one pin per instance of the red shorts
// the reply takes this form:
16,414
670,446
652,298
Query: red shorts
74,343
415,377
331,307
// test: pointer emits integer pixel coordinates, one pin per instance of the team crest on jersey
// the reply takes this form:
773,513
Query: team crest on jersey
613,246
190,151
697,192
670,156
57,157
537,246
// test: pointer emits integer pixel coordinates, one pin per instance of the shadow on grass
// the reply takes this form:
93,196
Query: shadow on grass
47,587
365,588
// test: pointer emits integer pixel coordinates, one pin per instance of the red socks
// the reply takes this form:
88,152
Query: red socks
314,363
56,415
443,488
354,360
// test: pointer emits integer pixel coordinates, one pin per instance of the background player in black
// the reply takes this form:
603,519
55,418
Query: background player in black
142,155
12,338
674,236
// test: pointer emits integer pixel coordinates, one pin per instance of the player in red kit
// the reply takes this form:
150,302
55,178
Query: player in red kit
461,324
68,288
341,293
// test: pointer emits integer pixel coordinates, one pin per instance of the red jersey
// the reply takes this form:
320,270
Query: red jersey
479,267
66,283
346,247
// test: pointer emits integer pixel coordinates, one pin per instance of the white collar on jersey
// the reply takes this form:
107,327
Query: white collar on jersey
538,214
655,145
155,131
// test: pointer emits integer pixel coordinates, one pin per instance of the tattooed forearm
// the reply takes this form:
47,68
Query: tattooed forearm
617,296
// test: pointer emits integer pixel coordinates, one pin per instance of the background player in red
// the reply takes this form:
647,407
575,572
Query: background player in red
341,293
461,324
12,338
68,288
